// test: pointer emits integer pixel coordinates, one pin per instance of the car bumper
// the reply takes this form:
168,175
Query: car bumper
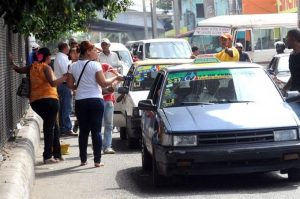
227,159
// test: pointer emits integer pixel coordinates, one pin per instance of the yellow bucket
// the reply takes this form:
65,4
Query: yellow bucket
64,148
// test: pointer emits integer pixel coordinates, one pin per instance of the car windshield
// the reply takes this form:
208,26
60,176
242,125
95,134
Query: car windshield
283,64
125,57
168,50
207,44
144,76
206,87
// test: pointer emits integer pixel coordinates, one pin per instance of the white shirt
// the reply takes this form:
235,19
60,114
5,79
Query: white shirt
61,64
111,59
88,86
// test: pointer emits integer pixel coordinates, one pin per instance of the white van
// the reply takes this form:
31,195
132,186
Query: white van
163,48
257,33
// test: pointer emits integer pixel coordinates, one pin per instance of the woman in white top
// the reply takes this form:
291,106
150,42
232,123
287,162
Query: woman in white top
89,100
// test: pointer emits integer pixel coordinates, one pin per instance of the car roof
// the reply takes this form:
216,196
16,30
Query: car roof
114,46
282,55
160,40
220,65
163,61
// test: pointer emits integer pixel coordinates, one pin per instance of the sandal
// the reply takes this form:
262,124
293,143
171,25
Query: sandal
99,164
83,163
50,161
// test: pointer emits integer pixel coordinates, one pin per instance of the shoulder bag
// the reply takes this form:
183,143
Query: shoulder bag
81,74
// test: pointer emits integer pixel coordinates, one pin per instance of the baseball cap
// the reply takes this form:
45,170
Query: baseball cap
34,45
239,45
105,40
227,36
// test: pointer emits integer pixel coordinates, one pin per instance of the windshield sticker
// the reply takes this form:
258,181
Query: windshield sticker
215,31
199,75
149,68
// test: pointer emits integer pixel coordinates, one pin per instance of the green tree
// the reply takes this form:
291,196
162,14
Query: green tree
164,4
49,19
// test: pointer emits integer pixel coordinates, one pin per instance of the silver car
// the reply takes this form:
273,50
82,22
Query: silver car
218,118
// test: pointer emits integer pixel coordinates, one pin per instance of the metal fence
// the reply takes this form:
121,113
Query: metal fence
12,107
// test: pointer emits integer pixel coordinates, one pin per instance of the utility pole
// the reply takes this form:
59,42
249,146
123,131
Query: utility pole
145,20
176,16
154,18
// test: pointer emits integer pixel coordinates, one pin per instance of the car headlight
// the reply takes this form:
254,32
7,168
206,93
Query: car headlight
284,135
185,140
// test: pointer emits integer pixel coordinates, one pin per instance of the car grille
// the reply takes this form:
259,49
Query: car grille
235,137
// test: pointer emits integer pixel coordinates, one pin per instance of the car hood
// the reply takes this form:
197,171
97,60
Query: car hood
219,117
136,96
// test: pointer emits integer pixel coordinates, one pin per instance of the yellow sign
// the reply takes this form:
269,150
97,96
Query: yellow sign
287,6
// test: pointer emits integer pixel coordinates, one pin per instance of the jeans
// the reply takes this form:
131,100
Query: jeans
47,109
65,100
108,123
89,113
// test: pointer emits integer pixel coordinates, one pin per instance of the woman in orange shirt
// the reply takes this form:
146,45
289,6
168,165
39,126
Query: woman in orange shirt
44,101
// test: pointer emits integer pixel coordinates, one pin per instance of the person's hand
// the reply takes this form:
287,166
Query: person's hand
120,78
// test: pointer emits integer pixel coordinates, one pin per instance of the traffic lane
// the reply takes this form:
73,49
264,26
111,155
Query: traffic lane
123,177
271,185
139,183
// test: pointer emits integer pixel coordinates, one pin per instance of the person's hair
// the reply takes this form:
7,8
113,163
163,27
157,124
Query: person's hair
42,54
75,49
295,33
61,46
85,46
194,48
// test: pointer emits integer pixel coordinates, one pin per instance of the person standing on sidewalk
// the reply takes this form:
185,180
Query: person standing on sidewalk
89,107
109,60
61,64
109,100
44,101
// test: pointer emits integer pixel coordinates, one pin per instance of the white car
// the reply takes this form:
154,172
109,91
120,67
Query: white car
123,54
163,48
127,115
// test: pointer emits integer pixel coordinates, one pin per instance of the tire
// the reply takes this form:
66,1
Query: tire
146,157
132,143
294,175
157,179
123,133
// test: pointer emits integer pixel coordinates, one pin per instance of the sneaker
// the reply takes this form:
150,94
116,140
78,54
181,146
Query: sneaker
109,151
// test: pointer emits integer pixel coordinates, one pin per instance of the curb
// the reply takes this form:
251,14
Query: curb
17,173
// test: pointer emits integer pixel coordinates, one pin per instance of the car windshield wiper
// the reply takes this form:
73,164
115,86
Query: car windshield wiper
231,101
197,103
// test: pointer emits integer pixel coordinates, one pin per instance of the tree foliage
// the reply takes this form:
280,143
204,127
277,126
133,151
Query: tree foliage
49,19
164,4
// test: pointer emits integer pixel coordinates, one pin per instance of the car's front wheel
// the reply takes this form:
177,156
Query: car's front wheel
294,175
146,157
157,179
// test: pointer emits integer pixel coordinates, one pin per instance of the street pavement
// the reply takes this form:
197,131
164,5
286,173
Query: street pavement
122,177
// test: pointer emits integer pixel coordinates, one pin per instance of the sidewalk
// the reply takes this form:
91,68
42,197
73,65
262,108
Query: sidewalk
17,173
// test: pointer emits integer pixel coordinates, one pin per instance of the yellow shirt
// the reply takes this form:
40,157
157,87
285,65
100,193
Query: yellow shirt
39,85
222,56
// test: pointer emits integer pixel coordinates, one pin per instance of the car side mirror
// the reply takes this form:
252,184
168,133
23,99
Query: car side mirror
147,105
123,90
292,96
